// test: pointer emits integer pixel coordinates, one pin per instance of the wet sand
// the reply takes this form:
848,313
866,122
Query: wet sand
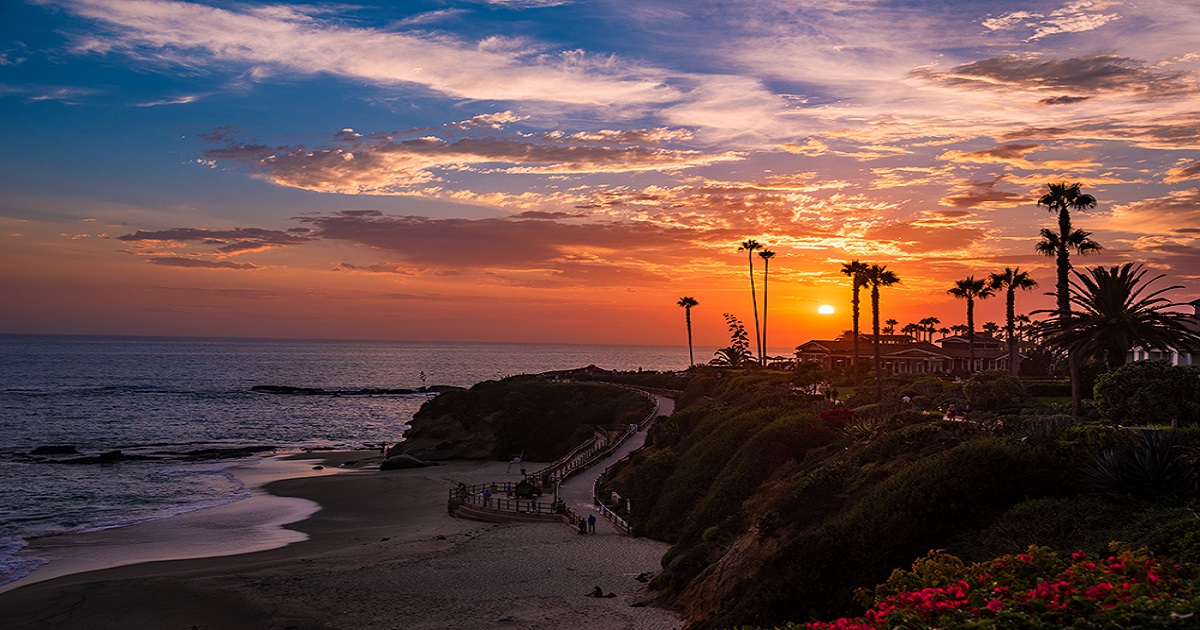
381,552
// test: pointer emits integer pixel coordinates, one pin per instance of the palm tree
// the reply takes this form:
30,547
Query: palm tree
766,255
890,326
750,246
945,332
1061,200
738,352
1011,280
991,328
913,330
687,303
856,271
970,289
929,324
878,276
1117,314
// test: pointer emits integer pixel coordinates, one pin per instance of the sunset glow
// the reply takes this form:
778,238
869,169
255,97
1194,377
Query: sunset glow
561,171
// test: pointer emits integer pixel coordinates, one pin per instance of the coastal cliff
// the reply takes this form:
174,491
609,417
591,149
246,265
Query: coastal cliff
521,416
784,507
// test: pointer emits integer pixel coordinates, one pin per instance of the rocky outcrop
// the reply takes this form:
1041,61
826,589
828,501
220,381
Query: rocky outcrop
402,462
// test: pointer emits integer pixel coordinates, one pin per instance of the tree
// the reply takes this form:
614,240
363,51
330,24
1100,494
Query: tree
890,327
750,246
1150,392
738,352
916,331
991,328
1118,311
944,332
687,303
1011,280
766,255
970,289
856,271
929,324
1061,200
878,276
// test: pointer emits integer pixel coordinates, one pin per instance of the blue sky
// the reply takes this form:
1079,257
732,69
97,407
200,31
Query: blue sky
557,171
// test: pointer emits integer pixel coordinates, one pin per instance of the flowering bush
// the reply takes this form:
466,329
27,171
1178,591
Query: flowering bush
1038,589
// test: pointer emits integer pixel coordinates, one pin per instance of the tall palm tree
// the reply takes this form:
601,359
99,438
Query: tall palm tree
944,332
878,276
750,246
890,326
1011,280
916,331
1061,199
1118,312
856,271
970,289
766,255
687,303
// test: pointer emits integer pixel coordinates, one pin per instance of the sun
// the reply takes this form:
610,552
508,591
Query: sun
825,309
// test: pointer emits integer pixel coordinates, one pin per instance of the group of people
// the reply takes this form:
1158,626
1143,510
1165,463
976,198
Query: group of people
587,525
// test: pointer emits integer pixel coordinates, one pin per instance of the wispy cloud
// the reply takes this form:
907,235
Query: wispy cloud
269,39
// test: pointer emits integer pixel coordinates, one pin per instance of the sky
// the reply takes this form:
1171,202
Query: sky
565,170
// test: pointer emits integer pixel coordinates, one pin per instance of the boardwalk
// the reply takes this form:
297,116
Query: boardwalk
577,491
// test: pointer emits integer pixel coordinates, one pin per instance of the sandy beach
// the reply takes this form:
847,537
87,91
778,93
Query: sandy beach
380,552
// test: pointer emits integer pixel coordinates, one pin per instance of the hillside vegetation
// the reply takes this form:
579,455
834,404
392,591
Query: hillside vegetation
527,416
781,505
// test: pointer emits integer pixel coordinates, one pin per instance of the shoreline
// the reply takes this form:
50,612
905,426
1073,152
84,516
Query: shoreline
244,525
380,551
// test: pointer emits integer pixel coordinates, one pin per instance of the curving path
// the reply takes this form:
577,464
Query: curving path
577,491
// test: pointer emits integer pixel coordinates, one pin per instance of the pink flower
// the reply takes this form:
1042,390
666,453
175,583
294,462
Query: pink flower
1079,555
995,605
1026,558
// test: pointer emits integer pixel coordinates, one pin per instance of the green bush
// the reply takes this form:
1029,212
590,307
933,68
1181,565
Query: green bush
1150,392
994,389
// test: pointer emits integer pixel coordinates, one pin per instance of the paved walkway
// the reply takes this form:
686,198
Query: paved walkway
577,491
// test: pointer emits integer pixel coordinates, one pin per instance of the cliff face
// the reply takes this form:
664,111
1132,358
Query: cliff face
521,416
779,511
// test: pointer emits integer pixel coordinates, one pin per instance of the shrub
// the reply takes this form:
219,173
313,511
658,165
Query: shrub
1129,588
993,389
1150,392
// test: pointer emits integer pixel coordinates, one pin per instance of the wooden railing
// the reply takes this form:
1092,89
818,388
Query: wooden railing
494,496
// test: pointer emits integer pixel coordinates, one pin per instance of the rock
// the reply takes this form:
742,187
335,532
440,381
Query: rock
318,467
111,457
401,462
55,449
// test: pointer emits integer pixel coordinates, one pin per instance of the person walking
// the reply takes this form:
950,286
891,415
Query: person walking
591,523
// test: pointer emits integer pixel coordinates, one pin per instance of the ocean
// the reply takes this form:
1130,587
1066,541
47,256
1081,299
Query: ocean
186,405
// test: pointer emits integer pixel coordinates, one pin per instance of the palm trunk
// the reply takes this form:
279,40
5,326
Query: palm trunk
687,313
762,355
1063,288
970,335
875,342
754,302
854,304
1014,358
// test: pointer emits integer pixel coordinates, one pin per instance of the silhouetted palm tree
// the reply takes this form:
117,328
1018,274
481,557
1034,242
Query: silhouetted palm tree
1061,200
878,276
890,326
766,255
945,332
916,331
856,271
970,289
1011,280
929,324
738,352
750,246
1117,314
687,303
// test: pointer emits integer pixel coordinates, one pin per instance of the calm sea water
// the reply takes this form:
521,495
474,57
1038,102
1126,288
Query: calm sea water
169,398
